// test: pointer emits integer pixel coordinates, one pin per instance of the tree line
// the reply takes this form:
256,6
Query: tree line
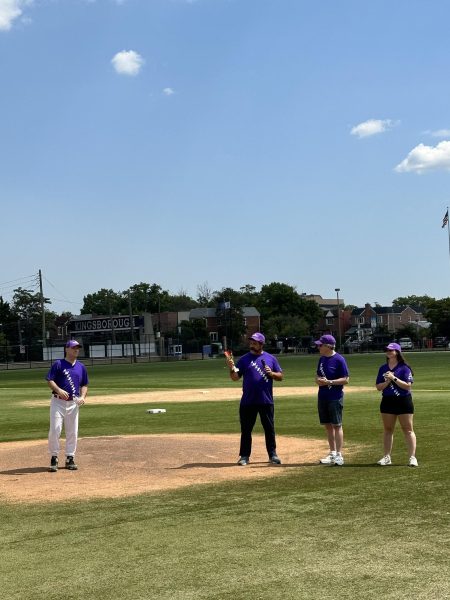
284,311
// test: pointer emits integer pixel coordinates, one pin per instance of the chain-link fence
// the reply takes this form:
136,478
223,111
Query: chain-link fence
22,356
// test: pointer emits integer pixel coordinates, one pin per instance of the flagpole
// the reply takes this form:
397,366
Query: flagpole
448,231
444,223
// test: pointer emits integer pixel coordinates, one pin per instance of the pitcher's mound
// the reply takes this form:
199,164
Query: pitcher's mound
129,465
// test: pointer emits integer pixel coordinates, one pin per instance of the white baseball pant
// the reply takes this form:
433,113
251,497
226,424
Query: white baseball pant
63,412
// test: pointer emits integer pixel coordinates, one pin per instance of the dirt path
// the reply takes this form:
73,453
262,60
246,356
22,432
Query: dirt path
194,395
111,467
127,465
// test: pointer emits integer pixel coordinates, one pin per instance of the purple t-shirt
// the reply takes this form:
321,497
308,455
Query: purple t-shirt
257,387
70,378
332,367
403,372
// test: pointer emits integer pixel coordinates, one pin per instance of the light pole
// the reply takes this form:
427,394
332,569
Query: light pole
337,290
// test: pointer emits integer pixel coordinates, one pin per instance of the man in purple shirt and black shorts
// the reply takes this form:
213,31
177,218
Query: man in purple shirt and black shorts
332,374
68,381
258,369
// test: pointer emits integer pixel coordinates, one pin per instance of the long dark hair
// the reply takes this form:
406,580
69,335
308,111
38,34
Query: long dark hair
401,360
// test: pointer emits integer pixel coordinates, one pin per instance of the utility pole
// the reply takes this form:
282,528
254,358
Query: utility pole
131,326
337,290
41,294
159,313
113,331
19,327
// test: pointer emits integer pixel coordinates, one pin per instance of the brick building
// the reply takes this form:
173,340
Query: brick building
365,321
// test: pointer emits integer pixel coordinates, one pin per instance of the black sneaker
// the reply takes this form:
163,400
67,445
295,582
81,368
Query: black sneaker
53,464
70,464
244,460
274,460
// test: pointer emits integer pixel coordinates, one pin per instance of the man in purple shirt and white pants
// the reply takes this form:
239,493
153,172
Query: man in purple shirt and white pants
332,374
68,381
259,369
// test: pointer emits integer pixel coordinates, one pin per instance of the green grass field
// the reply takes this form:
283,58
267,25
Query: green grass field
360,531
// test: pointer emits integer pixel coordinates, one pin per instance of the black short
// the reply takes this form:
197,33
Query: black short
397,405
330,411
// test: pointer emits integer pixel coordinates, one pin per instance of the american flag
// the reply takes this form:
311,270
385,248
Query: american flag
445,219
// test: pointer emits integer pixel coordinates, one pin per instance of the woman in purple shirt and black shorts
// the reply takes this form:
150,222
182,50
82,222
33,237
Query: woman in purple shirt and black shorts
394,380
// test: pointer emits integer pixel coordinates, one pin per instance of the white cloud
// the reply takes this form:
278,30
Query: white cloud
9,10
426,158
372,127
127,62
168,91
440,133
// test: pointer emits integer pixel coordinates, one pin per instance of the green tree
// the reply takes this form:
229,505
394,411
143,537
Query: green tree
349,307
231,324
193,335
5,311
181,302
283,301
51,319
285,326
146,297
421,302
438,313
311,313
230,295
278,299
249,295
60,321
204,295
408,330
26,311
6,320
104,302
5,348
26,304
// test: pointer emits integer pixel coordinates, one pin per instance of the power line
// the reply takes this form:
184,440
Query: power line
54,287
64,299
34,276
12,289
9,287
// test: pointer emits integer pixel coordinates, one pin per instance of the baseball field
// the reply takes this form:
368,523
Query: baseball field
159,509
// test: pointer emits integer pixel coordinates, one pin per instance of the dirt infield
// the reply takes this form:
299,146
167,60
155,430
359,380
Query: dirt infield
194,395
111,467
128,465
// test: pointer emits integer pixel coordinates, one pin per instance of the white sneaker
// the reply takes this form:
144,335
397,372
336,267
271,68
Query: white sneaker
339,460
328,460
413,461
386,460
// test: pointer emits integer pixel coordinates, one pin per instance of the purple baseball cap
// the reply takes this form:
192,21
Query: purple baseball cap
394,346
326,339
73,344
258,337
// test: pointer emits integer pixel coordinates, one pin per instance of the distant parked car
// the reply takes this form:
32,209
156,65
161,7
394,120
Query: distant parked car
440,342
406,343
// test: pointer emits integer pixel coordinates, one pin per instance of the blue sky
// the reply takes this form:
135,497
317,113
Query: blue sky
225,142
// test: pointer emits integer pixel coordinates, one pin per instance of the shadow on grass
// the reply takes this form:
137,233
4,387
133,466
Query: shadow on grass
375,465
265,465
252,465
25,471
